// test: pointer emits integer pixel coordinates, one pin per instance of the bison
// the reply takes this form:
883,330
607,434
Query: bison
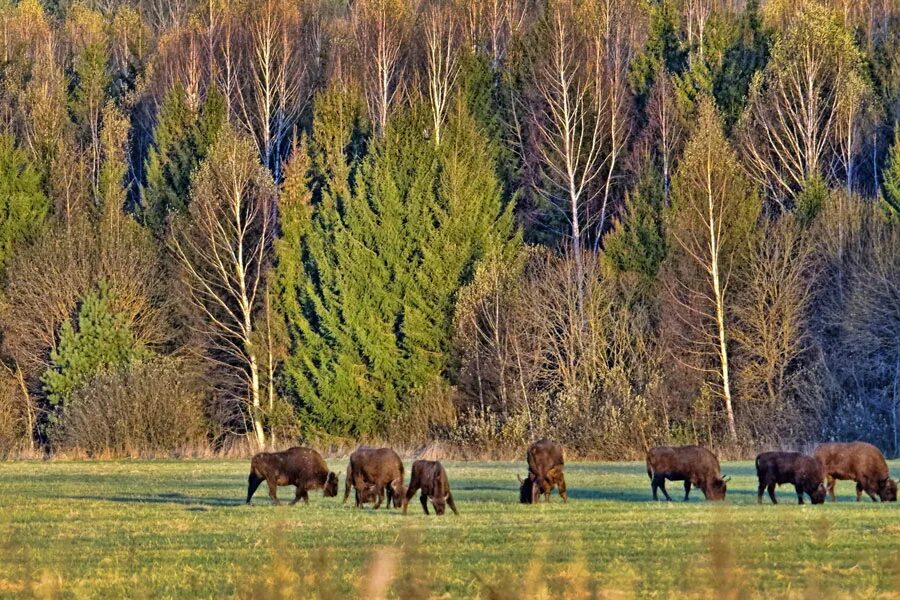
431,477
374,471
805,472
861,462
545,472
301,467
694,465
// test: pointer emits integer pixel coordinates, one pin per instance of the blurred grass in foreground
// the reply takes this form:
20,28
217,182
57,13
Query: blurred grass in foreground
179,529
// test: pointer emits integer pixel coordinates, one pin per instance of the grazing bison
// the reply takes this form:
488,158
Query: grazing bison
861,462
694,465
301,467
545,472
805,472
431,477
374,471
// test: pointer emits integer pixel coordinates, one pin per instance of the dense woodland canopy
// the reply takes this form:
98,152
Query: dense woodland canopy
613,222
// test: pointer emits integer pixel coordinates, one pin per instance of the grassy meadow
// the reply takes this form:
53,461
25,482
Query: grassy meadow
180,529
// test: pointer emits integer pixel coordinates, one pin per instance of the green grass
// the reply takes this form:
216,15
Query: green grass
180,529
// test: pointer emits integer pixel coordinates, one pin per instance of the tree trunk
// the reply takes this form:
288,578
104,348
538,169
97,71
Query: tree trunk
719,297
256,408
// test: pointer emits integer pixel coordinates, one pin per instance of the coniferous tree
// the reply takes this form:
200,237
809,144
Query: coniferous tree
23,206
183,140
891,184
389,243
637,242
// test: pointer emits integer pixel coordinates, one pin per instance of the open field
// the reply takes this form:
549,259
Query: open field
180,529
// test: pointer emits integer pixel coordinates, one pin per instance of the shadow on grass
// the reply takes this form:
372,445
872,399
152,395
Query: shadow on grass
180,499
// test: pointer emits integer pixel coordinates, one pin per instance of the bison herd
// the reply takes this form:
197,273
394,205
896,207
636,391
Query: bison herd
376,475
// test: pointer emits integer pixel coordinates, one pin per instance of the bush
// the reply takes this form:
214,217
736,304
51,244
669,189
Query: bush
150,407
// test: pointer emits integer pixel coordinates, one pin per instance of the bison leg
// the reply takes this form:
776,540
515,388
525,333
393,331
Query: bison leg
452,504
687,489
424,499
659,482
771,489
300,495
347,485
273,492
759,492
860,488
410,491
562,488
252,483
829,485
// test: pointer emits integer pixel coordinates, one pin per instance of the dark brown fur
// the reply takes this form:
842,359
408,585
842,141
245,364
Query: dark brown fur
301,467
545,472
374,471
805,472
694,465
859,462
431,477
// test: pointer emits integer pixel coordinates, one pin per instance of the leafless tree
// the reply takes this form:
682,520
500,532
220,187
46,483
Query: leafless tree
715,214
441,64
791,127
224,251
380,30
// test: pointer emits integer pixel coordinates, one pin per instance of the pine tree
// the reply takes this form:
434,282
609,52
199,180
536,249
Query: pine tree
183,140
101,340
23,205
891,185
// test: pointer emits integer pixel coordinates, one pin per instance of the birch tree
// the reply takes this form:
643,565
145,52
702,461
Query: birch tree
713,215
224,251
791,129
569,130
380,29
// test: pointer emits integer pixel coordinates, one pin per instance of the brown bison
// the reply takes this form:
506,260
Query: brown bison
861,462
374,471
545,472
805,472
694,465
301,467
431,477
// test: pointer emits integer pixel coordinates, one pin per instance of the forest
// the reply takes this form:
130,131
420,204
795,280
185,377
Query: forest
616,223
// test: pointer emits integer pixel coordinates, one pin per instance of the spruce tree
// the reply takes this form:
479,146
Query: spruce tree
390,241
891,185
23,205
182,140
637,241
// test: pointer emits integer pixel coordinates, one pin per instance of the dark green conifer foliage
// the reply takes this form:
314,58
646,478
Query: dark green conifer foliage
389,243
637,241
102,340
891,185
23,205
663,50
747,53
183,140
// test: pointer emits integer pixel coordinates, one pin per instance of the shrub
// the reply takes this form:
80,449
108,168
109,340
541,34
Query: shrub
150,407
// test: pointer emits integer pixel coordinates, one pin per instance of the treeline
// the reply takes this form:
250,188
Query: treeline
612,222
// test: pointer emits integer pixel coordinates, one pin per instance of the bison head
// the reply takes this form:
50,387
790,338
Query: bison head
526,490
887,490
716,489
440,504
331,485
818,495
399,492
